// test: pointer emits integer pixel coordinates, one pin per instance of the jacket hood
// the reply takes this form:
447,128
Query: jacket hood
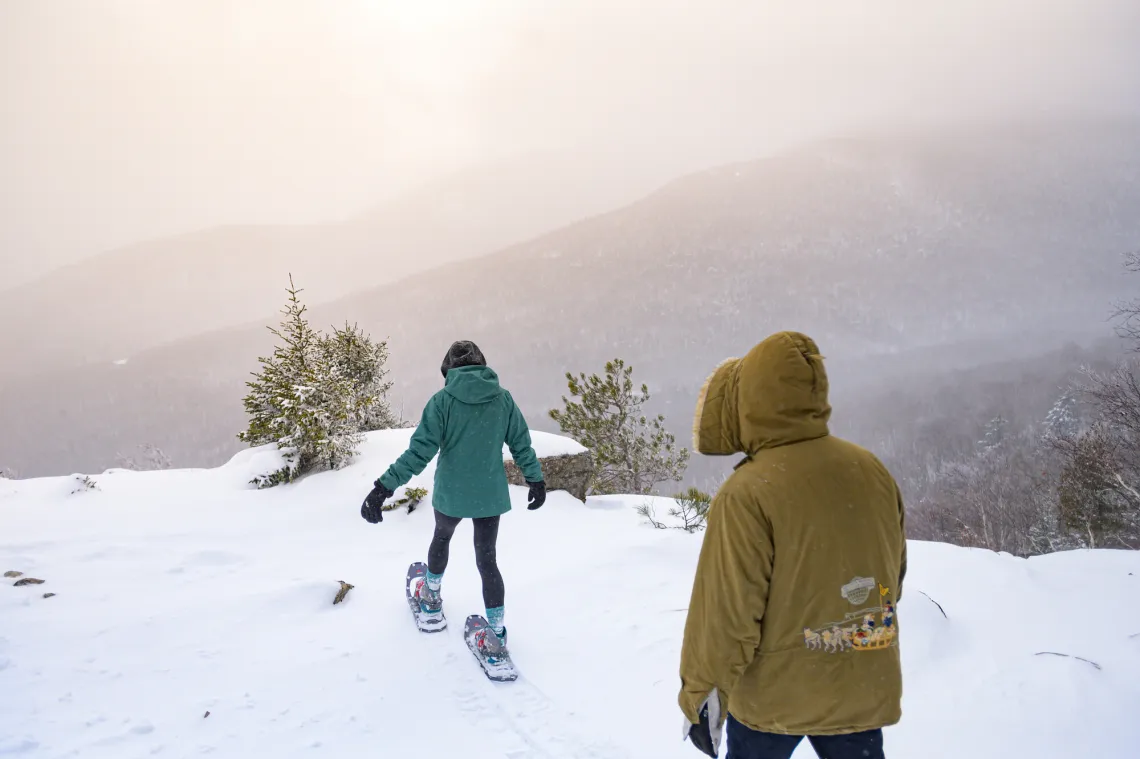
775,395
473,384
462,353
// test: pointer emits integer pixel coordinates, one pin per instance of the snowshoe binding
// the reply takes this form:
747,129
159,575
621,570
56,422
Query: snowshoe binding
426,604
489,649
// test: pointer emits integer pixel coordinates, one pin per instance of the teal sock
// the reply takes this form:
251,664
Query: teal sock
495,619
434,581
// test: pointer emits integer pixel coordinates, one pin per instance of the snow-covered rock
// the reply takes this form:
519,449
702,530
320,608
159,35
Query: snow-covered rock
184,592
572,472
547,445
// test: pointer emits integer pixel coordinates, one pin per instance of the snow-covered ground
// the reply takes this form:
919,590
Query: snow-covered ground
186,592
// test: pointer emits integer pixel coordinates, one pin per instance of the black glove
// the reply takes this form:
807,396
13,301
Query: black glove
372,509
537,495
701,735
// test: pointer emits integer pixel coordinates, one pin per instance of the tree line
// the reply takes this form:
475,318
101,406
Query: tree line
1070,479
317,394
1027,486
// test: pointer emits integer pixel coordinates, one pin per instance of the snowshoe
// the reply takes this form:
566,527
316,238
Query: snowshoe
426,606
489,650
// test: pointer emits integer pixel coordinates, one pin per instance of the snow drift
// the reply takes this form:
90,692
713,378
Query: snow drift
182,594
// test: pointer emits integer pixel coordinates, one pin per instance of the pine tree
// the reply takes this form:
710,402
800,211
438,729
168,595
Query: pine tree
356,356
692,509
995,434
1061,422
331,409
633,452
302,399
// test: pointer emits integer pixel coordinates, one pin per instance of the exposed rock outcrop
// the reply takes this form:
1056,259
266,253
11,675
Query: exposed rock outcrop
569,472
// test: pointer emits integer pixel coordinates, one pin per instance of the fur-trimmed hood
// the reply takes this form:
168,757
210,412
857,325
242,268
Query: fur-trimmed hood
775,395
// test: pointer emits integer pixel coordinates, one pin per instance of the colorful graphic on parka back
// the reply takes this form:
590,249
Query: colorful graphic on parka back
864,629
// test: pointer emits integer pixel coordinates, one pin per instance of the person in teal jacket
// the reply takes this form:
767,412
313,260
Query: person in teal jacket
467,423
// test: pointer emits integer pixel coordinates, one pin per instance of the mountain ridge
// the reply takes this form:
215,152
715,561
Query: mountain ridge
875,247
149,293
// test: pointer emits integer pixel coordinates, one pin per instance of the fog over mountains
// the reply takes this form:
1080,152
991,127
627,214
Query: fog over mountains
902,253
113,305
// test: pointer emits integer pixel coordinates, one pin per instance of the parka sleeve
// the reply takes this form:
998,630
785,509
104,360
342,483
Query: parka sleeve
902,532
730,595
422,449
518,442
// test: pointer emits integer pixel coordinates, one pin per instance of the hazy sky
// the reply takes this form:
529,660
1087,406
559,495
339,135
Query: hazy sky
128,119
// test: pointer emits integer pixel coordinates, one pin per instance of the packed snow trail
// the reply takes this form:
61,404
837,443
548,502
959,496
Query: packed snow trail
185,592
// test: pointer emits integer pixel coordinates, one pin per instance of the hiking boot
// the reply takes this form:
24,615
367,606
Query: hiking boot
492,646
431,604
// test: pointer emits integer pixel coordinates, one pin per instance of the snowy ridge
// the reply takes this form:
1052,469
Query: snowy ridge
186,592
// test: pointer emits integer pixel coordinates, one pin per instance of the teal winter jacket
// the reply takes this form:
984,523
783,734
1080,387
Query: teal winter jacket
467,423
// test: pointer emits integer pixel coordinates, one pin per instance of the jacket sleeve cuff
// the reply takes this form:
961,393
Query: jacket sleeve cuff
388,480
691,704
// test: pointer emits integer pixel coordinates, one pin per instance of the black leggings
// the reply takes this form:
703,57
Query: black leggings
486,535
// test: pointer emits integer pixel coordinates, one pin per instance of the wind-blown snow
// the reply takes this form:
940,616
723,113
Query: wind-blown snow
183,592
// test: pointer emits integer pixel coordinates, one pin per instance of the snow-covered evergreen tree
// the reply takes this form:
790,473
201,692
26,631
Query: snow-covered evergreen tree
1061,422
994,436
302,399
356,356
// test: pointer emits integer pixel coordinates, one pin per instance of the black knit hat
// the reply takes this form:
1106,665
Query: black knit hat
462,353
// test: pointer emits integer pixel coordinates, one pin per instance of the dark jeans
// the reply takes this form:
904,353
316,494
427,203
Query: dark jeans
486,536
746,743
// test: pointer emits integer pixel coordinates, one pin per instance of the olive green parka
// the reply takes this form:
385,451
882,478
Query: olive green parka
792,627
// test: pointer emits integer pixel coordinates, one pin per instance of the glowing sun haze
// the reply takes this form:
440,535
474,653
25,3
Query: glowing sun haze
128,119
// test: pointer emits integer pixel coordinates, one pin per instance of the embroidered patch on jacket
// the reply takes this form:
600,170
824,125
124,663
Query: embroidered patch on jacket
857,591
870,628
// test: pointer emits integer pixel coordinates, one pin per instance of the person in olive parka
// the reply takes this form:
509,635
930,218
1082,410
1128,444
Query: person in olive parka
467,423
792,629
